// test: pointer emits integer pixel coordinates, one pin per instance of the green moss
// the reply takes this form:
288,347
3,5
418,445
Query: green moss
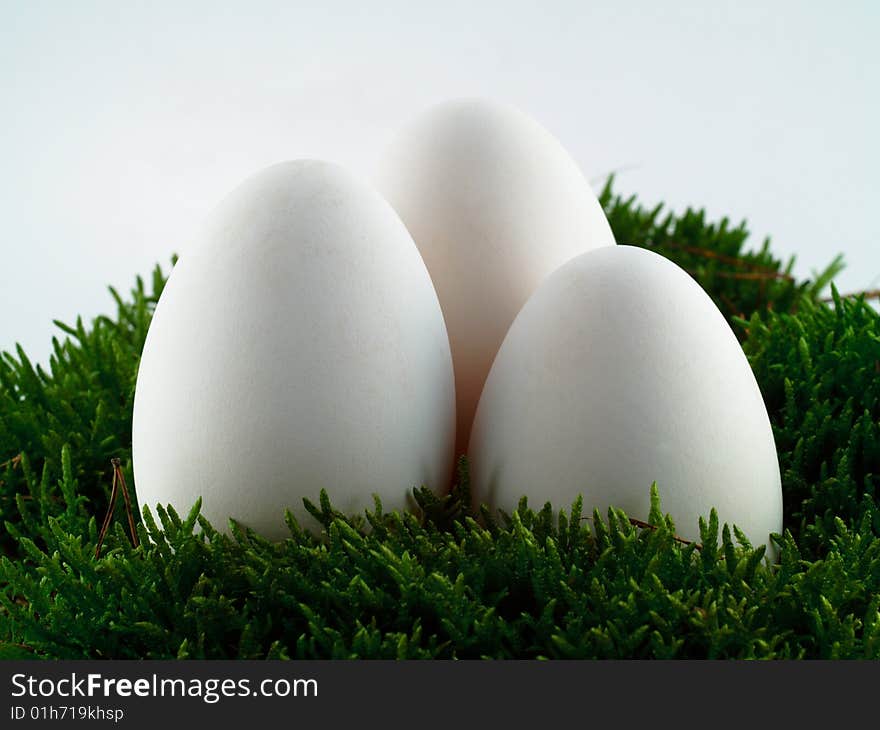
819,372
447,582
740,281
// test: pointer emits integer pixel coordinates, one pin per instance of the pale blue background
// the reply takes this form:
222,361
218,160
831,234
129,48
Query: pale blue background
122,123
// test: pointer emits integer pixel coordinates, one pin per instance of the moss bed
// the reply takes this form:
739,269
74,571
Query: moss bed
443,581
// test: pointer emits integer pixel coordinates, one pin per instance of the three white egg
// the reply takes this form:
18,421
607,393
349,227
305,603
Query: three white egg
319,337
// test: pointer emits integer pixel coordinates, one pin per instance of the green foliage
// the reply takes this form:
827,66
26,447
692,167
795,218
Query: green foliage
84,401
819,372
407,588
739,281
450,581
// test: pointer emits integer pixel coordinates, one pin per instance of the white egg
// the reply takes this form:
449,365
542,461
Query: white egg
299,345
494,204
618,372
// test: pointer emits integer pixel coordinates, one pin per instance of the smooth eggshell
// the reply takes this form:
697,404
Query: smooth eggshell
494,204
618,372
298,345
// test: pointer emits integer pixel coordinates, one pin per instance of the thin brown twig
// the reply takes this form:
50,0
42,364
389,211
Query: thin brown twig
14,461
733,260
106,524
750,275
118,469
648,526
867,294
118,478
18,646
761,276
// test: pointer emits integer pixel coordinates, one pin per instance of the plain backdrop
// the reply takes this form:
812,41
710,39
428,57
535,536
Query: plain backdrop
123,123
